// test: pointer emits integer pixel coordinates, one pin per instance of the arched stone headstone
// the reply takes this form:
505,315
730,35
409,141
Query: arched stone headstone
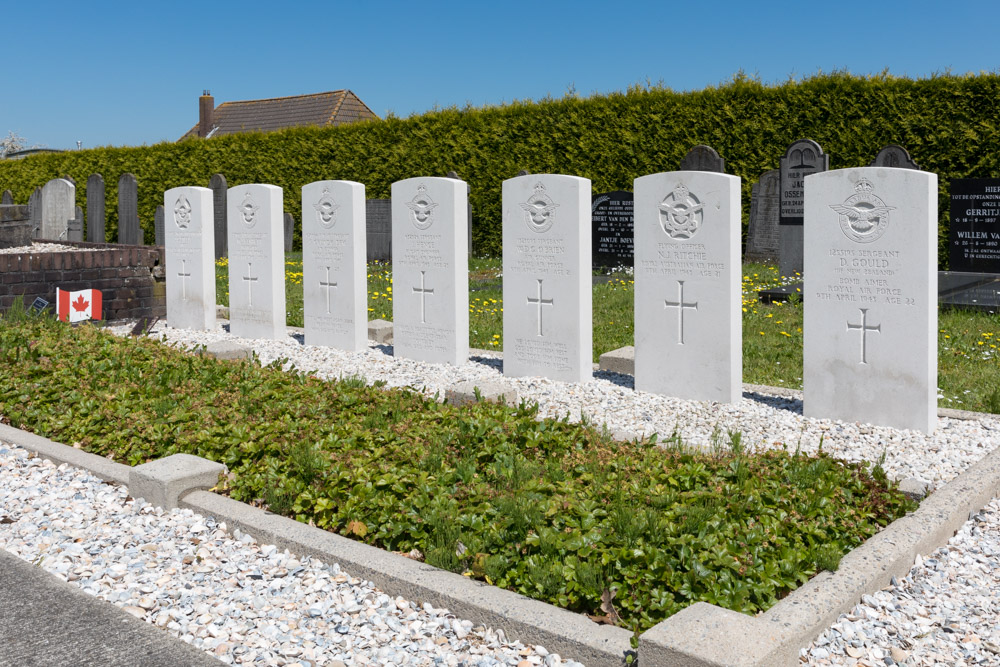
894,156
8,198
58,208
95,209
762,234
220,190
803,157
523,172
703,158
129,231
289,232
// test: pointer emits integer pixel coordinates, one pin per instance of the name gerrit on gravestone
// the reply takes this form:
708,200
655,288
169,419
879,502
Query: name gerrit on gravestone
613,229
975,225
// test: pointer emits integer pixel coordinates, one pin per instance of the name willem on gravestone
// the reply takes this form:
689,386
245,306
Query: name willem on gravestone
703,158
58,206
334,272
803,157
870,346
974,242
256,261
95,209
547,319
688,340
430,270
613,228
762,233
188,238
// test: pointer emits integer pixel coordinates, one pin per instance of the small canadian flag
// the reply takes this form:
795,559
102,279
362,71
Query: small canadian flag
78,306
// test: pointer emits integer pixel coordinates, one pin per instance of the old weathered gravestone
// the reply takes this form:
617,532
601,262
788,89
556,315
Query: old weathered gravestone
703,158
688,331
256,262
74,229
129,231
158,231
58,207
289,231
7,199
547,292
430,270
803,157
334,273
612,229
378,226
974,240
870,335
35,212
765,206
95,209
189,233
894,156
220,212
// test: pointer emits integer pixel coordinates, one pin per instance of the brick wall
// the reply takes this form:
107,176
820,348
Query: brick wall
131,278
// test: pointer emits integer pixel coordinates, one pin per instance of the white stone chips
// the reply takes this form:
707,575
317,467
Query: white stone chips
688,329
334,273
870,320
547,292
190,257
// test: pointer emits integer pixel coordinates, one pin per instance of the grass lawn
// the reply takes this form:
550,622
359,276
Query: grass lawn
968,356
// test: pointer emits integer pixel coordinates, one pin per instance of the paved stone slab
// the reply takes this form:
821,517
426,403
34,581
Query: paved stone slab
164,481
621,360
380,331
494,392
228,351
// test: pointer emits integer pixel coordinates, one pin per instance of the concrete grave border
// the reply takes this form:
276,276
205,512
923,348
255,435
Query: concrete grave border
701,635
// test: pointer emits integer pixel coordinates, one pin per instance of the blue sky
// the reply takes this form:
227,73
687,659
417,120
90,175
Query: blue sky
130,73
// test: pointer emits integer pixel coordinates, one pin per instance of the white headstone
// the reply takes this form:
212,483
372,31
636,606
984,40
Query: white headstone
430,270
256,261
688,325
870,348
334,272
547,291
189,234
58,206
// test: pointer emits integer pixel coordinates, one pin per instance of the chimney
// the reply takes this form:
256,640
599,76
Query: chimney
206,107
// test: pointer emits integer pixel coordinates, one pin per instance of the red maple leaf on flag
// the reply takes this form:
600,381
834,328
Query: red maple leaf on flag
80,304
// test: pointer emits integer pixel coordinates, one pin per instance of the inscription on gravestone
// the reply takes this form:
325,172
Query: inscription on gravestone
762,234
803,157
613,225
974,242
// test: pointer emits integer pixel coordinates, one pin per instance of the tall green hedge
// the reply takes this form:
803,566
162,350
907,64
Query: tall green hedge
950,124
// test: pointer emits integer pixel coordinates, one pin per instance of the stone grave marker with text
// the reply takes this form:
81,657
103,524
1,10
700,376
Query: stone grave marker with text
129,231
74,229
58,207
220,192
158,227
256,261
688,326
870,322
430,270
802,158
7,199
35,213
95,209
334,272
974,240
894,156
703,158
765,205
189,237
547,292
612,229
289,227
378,226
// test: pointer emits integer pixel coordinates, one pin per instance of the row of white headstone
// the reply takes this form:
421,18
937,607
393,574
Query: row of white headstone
870,266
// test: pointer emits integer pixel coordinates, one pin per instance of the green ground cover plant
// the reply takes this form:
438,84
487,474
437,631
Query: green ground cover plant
968,354
630,532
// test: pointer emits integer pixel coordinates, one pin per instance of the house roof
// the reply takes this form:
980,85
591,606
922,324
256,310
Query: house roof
324,109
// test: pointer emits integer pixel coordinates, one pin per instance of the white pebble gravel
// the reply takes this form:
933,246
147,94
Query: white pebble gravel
218,590
44,247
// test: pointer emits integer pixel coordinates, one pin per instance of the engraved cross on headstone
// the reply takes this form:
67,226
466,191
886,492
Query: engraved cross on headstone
250,280
680,306
864,329
539,301
423,292
327,285
184,276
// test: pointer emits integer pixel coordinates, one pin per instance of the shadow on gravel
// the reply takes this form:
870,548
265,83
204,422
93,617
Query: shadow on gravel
776,402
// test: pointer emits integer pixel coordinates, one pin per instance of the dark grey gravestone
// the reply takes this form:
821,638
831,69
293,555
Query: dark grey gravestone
15,226
894,156
974,240
765,205
7,199
159,233
703,158
95,209
289,232
219,198
35,212
969,291
523,172
378,229
129,231
74,231
613,229
802,158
